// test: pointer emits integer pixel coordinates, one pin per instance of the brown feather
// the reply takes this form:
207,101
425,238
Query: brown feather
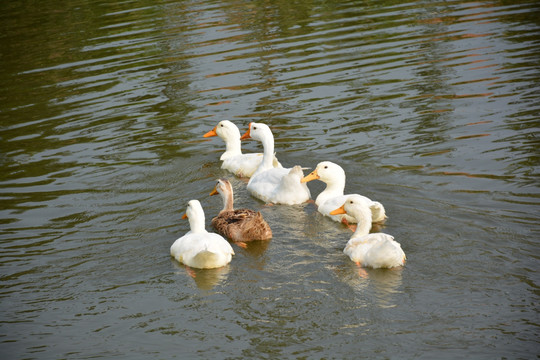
239,225
242,225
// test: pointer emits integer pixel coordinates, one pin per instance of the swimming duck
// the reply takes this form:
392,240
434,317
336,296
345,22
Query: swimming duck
239,225
241,165
375,250
270,184
199,248
332,197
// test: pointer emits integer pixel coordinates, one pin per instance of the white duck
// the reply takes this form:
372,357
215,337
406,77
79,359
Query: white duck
198,248
375,250
332,197
241,165
270,184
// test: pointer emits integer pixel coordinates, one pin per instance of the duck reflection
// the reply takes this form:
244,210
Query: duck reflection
382,283
205,279
255,248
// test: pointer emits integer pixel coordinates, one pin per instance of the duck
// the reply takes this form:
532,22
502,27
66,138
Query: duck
332,196
238,225
271,184
234,161
371,250
199,248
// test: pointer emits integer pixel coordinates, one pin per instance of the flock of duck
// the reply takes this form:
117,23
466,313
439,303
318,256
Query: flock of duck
272,183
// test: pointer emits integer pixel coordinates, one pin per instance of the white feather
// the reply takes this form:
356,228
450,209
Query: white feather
198,248
275,185
333,196
242,165
375,250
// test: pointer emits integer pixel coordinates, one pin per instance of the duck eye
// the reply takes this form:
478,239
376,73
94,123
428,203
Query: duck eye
254,128
221,125
326,167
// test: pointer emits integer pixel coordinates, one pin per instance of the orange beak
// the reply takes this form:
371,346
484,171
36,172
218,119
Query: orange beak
312,176
184,216
339,210
247,135
211,132
214,192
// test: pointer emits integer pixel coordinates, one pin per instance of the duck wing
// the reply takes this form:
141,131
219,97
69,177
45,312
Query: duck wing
242,225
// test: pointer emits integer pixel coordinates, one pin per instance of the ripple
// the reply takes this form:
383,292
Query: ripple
431,108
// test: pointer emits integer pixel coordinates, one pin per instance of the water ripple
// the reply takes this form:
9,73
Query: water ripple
431,108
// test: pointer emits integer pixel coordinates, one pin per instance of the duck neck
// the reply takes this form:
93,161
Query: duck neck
337,183
196,224
363,218
334,187
228,201
268,155
232,147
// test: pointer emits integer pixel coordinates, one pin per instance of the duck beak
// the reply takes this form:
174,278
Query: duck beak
339,210
312,176
211,132
247,135
214,192
184,216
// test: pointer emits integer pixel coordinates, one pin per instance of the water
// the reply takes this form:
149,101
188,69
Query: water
431,108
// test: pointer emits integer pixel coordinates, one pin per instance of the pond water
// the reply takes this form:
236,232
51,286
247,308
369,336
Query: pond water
431,107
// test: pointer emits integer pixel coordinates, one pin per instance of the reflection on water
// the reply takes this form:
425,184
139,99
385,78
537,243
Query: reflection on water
256,249
205,279
382,283
431,108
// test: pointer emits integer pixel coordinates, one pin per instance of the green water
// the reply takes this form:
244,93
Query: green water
432,108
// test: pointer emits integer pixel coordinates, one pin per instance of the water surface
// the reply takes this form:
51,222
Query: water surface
430,107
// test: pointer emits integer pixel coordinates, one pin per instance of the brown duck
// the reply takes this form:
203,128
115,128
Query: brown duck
238,225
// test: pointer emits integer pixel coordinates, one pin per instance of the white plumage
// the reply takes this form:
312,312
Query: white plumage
332,196
242,165
199,248
376,250
270,184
